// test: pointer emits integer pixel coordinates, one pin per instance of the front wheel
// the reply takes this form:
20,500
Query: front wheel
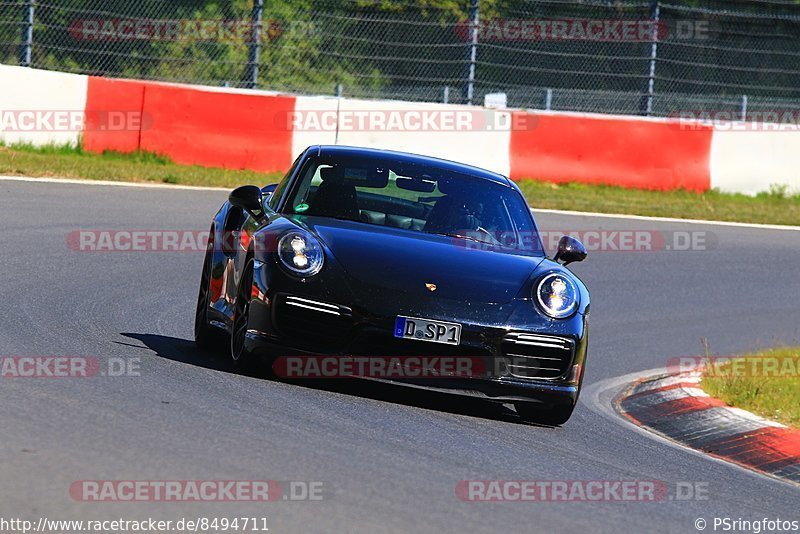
554,416
206,337
242,358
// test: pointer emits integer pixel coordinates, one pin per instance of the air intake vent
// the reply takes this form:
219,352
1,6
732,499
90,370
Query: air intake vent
314,305
537,356
323,325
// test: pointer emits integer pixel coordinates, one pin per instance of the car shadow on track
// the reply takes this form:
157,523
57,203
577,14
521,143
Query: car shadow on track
185,351
181,350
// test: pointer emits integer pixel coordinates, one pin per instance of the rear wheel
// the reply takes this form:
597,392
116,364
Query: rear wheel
206,336
554,416
241,357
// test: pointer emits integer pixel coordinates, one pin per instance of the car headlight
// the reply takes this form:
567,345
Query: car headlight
557,296
301,253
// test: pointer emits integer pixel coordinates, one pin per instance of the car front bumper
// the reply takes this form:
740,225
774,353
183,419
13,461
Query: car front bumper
515,353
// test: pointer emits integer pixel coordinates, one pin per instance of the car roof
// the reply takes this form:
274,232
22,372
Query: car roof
406,157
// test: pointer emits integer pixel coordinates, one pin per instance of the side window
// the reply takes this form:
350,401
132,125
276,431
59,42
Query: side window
317,179
284,183
307,186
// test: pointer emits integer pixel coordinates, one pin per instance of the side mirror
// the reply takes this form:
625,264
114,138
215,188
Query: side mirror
247,197
267,190
570,250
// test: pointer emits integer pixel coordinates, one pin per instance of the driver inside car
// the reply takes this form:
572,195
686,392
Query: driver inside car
455,214
335,197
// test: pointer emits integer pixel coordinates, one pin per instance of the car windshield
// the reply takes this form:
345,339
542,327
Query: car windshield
417,198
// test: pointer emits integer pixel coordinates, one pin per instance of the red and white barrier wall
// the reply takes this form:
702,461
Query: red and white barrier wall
30,90
264,131
752,161
615,150
202,126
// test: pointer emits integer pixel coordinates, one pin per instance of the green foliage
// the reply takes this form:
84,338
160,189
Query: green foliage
51,148
711,205
68,161
72,162
412,49
767,383
299,42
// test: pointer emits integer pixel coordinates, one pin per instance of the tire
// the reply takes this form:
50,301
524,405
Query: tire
206,337
241,357
554,416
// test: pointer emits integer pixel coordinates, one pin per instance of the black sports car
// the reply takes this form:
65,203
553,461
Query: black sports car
361,253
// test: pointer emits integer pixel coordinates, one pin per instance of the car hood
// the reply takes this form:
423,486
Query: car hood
394,261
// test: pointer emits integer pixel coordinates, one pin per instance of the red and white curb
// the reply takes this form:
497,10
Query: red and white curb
675,407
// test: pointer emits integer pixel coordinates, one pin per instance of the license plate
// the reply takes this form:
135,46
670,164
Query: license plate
427,330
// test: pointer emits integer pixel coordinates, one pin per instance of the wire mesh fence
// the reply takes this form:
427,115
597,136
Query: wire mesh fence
649,57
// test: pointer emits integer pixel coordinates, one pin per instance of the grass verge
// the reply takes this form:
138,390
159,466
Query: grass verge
766,383
73,162
775,207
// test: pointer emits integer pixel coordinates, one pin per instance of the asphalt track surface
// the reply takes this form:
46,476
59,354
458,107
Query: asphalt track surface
389,458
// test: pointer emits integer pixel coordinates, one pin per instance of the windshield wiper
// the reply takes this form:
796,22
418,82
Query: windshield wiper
476,240
460,236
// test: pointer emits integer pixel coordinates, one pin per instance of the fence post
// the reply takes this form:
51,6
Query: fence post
744,108
26,42
548,99
472,50
446,94
251,78
646,107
